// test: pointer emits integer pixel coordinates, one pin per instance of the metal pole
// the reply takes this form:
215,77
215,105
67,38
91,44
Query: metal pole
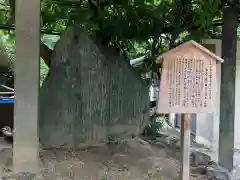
185,147
26,150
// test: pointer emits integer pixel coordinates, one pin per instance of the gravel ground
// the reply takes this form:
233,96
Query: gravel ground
133,159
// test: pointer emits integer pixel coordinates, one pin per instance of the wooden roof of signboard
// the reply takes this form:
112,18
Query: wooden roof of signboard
194,44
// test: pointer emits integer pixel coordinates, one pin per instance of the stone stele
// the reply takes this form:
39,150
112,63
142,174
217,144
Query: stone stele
89,95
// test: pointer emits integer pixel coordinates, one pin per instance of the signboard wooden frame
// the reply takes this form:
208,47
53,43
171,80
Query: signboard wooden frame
188,86
188,80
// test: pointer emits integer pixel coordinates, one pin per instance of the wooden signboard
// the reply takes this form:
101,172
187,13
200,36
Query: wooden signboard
188,86
188,80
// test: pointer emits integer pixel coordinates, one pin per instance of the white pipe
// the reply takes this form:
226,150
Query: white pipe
11,89
172,119
5,93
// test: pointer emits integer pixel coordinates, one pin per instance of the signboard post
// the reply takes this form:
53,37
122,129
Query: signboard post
185,146
188,86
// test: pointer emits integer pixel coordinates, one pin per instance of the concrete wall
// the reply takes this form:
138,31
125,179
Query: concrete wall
208,124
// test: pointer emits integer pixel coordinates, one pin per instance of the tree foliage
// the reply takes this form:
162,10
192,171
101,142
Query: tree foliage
132,28
129,26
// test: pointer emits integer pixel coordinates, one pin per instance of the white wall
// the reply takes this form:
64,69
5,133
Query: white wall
205,135
237,107
206,122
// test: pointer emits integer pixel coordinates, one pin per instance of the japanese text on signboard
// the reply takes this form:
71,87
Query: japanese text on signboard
188,83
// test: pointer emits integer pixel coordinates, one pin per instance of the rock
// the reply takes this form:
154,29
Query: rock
20,176
198,170
170,137
217,172
89,95
198,158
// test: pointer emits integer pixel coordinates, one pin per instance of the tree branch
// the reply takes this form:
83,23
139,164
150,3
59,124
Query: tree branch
45,54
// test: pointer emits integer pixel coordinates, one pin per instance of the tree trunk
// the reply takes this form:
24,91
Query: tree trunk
89,95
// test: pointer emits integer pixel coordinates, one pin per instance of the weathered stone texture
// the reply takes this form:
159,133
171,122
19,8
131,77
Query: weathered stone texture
89,95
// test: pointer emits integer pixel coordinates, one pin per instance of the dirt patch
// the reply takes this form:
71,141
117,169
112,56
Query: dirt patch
132,159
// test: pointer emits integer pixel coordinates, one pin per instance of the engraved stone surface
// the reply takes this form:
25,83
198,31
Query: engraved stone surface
89,95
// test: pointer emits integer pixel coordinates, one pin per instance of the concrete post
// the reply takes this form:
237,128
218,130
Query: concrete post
25,152
227,98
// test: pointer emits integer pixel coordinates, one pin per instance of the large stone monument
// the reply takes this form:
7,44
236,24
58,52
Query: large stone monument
89,95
